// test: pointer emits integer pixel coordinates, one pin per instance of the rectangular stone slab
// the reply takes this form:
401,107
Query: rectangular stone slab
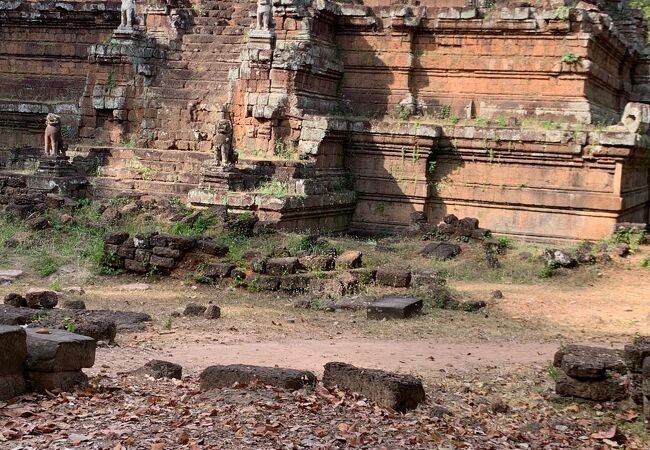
59,351
390,390
221,376
394,308
13,350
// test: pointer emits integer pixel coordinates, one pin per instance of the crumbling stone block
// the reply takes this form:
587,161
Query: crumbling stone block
15,300
116,238
162,369
317,262
194,310
41,298
635,353
427,278
394,308
212,312
13,351
349,259
440,250
58,351
296,282
221,376
282,266
219,270
592,373
394,277
389,390
210,247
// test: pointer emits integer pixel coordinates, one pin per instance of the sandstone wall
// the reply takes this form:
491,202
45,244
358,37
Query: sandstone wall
43,63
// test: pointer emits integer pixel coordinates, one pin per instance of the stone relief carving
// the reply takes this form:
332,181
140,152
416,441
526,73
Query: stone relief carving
53,140
128,14
264,10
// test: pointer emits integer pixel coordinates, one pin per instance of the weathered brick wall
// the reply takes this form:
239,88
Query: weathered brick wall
43,63
524,62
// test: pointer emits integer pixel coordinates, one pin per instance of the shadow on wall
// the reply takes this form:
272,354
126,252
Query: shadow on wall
441,164
366,82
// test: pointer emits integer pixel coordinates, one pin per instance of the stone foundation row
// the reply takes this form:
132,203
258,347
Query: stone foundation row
42,360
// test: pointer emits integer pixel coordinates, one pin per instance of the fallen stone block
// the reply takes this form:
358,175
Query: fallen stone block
15,300
10,315
226,376
116,238
212,312
582,361
472,305
98,329
394,308
389,390
282,266
264,283
194,310
394,277
317,262
554,257
13,351
161,369
41,298
427,278
440,250
362,275
65,381
607,389
210,247
635,353
296,282
58,351
349,259
219,270
73,304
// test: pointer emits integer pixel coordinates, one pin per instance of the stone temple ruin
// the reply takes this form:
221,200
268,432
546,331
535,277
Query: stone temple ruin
367,115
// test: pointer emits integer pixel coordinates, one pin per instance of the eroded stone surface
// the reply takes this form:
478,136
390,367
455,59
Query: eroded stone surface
225,376
390,390
162,369
58,351
392,276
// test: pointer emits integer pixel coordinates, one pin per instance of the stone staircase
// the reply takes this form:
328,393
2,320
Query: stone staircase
191,89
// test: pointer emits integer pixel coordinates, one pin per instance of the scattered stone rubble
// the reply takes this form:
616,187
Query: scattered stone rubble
42,359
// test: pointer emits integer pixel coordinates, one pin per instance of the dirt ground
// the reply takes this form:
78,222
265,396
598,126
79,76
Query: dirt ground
514,337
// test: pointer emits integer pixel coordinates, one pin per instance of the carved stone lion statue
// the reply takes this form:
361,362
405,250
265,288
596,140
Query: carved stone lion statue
223,152
53,140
